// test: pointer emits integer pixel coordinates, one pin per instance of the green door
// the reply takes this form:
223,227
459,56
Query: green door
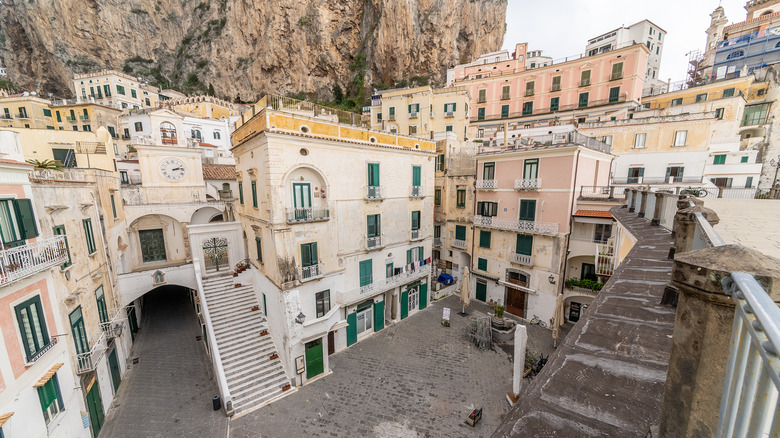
351,328
132,321
95,407
481,291
528,210
379,316
314,364
423,296
404,304
113,365
79,332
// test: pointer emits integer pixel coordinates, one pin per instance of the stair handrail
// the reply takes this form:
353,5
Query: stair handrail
227,400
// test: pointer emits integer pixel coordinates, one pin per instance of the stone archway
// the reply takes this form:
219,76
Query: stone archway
215,254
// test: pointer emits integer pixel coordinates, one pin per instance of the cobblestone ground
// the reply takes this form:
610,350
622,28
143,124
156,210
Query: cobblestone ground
414,378
168,393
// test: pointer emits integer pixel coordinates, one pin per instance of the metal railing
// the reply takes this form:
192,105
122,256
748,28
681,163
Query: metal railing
605,259
115,325
374,192
528,184
311,109
521,259
534,227
437,241
549,110
416,192
309,272
460,244
87,362
307,214
483,184
22,116
362,292
415,235
373,242
26,260
498,146
601,192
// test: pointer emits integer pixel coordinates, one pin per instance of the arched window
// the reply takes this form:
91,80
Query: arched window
196,134
735,54
216,135
168,132
766,12
777,45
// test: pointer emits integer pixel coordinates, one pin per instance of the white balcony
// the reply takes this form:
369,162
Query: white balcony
380,286
528,184
115,325
26,260
295,215
449,114
373,242
487,184
521,259
412,115
605,259
310,272
374,192
437,241
460,244
89,360
416,192
416,235
533,227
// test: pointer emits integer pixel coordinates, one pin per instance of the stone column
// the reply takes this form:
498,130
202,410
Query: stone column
656,218
685,223
643,204
630,200
521,341
702,334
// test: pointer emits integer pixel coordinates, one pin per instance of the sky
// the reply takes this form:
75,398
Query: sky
562,28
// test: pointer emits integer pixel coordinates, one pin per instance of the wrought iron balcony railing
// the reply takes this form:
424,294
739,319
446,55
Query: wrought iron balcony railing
381,286
416,192
534,227
374,192
528,184
26,260
115,325
487,184
307,215
416,235
460,244
310,272
88,361
521,259
373,242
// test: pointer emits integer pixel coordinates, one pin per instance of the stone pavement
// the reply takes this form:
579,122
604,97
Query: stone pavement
168,393
608,376
414,378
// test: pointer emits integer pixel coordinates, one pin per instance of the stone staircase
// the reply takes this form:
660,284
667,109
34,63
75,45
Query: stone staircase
252,377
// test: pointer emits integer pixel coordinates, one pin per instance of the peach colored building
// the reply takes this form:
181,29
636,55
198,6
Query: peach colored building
524,203
574,89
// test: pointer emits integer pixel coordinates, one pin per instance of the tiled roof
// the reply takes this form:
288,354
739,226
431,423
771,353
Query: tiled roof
5,161
593,213
219,171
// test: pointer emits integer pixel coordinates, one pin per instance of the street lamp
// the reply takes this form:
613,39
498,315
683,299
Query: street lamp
551,279
300,318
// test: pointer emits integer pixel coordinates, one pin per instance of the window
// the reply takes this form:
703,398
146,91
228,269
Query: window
482,264
489,171
139,127
524,244
373,225
461,198
413,130
241,192
32,326
148,103
323,303
556,83
440,163
639,141
749,182
583,101
527,210
437,197
415,220
607,139
504,111
59,230
389,270
743,159
736,54
414,108
437,231
755,114
373,174
585,78
86,128
484,239
449,109
480,113
66,157
531,168
719,159
528,108
133,93
448,128
680,137
482,93
701,97
635,174
124,178
259,249
196,134
91,247
505,92
674,173
677,102
617,71
79,332
719,113
366,274
254,194
51,399
100,298
460,232
309,255
113,207
529,88
614,94
23,113
152,245
486,208
120,90
392,113
554,102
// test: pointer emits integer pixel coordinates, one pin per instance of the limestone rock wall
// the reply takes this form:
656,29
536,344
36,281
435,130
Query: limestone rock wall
245,47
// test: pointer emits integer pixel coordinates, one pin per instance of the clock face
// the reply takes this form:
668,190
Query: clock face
173,169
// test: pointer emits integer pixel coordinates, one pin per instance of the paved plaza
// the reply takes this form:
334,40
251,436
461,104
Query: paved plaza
168,393
414,378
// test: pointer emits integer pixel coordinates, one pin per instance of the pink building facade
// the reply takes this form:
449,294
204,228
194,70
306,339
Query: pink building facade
524,203
569,89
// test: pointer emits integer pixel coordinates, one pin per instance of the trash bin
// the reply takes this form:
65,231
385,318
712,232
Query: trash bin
216,402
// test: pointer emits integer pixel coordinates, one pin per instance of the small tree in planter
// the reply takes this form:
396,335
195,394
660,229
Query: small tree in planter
498,320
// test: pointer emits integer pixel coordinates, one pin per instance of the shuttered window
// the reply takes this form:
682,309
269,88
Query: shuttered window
484,239
525,244
90,235
366,274
373,225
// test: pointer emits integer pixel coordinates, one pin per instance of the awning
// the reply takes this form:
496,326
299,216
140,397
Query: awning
4,418
48,375
518,287
594,213
477,274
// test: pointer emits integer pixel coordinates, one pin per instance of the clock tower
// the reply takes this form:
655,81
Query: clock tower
171,174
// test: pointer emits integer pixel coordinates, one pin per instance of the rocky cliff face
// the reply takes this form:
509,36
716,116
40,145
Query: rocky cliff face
246,47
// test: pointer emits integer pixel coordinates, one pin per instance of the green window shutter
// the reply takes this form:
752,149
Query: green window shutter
379,316
32,326
525,244
59,117
454,106
484,239
59,230
309,254
373,174
259,248
528,210
241,192
100,298
113,206
408,256
47,112
415,220
404,304
410,108
351,328
49,393
389,270
421,251
254,194
91,248
366,273
416,176
460,232
719,159
423,300
482,264
743,159
374,225
26,218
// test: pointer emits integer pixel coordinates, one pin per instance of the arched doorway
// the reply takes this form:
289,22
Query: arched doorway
215,252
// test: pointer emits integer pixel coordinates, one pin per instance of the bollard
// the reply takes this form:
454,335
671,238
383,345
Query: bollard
216,402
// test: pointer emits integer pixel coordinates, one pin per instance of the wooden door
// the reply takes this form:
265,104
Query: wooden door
113,365
481,292
95,407
331,343
515,302
314,363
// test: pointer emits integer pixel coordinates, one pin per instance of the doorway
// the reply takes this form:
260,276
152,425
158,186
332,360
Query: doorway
515,297
95,407
481,292
113,365
314,362
574,311
331,343
365,319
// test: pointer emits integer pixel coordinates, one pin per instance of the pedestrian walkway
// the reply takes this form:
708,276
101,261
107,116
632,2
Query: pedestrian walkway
168,393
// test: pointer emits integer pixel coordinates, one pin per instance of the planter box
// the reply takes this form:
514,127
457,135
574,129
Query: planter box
503,335
474,417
